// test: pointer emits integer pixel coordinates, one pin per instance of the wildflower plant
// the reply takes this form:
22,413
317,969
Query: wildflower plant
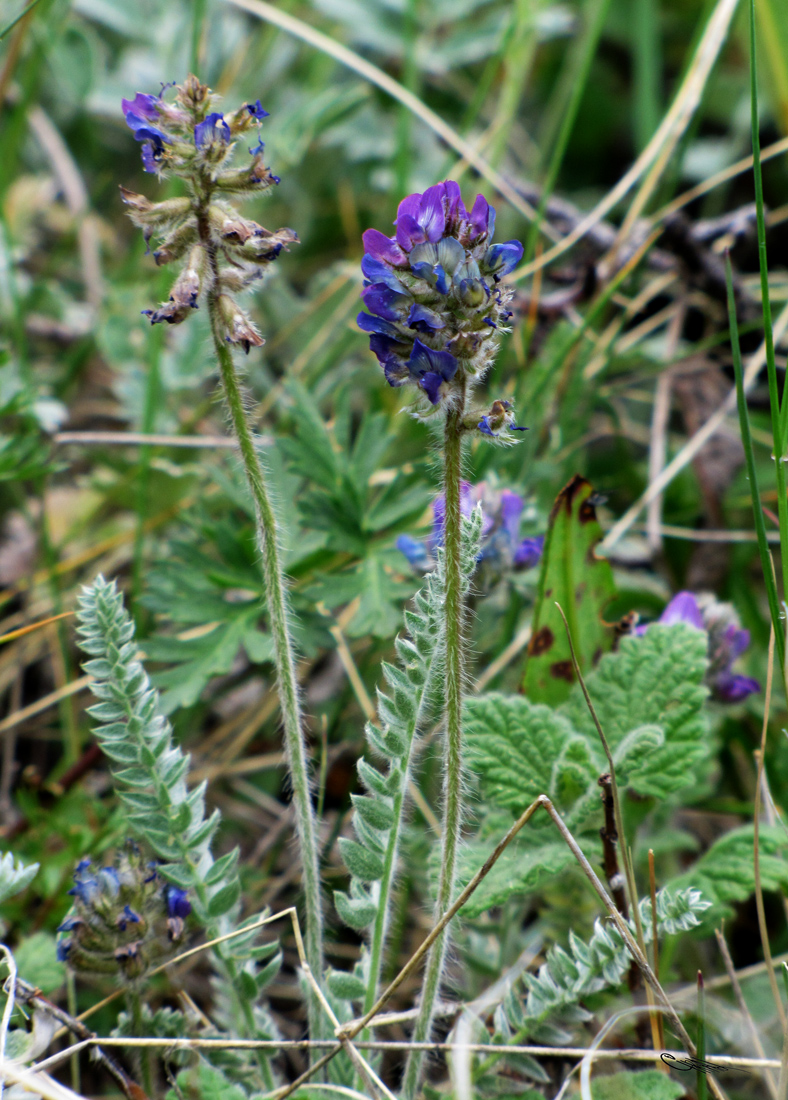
222,253
437,308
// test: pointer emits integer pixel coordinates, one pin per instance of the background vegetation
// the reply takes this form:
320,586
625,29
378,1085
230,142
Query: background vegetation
619,354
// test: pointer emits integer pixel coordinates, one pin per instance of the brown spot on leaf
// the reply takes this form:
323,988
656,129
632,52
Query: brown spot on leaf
541,642
586,512
563,670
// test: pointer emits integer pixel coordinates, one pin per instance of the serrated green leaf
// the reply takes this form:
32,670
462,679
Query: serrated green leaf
726,872
513,745
521,869
37,962
582,584
653,679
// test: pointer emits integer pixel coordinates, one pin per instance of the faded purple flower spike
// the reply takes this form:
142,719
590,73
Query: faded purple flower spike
502,548
727,641
186,138
436,285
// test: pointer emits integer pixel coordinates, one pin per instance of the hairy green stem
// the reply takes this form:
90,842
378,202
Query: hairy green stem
380,929
452,811
278,613
141,1058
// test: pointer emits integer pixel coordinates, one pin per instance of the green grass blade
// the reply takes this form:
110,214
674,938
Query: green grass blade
746,438
777,411
10,26
647,58
580,61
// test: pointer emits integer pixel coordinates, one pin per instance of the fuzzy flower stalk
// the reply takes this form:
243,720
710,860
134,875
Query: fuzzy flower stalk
221,253
437,308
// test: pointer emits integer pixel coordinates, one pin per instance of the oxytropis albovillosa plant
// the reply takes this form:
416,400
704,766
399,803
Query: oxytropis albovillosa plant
436,311
223,253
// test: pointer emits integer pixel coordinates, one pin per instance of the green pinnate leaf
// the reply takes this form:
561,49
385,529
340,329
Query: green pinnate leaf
362,864
356,913
345,986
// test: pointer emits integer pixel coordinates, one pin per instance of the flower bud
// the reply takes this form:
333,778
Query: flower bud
238,328
121,922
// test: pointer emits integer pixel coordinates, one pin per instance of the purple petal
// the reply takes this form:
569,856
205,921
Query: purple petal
381,247
736,641
394,370
511,509
212,128
455,208
484,426
424,320
377,324
528,553
256,110
409,232
503,258
414,551
143,106
178,904
683,608
150,161
409,205
385,302
729,687
431,215
431,383
424,359
482,218
375,271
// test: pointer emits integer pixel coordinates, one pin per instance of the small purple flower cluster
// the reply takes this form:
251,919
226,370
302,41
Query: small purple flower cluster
502,548
193,132
124,918
727,641
186,137
435,300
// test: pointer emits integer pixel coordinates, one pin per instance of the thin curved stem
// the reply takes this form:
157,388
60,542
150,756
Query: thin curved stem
452,815
278,613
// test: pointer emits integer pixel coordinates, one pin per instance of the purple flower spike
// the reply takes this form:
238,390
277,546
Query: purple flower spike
212,128
529,552
178,904
256,110
385,302
381,247
683,608
143,106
